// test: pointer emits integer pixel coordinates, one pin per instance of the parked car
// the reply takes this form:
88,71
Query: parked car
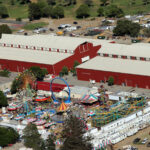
93,32
136,140
148,144
78,27
51,29
60,28
25,33
144,141
75,22
20,31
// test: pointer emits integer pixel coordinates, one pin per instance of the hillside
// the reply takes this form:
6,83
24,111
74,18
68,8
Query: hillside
129,7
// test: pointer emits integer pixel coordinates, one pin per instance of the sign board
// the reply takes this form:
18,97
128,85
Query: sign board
85,58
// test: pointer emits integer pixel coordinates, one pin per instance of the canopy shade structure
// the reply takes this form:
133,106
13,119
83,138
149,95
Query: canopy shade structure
62,107
89,99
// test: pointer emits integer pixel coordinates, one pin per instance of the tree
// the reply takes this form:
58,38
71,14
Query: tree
73,135
3,12
8,136
133,2
3,100
46,11
65,70
50,143
126,27
114,11
88,2
38,72
65,3
57,12
51,2
12,2
34,11
76,63
146,32
100,11
17,82
24,1
110,81
83,11
146,2
104,2
73,70
44,8
4,28
32,139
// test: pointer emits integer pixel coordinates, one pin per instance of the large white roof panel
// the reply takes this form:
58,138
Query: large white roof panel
137,49
118,65
58,42
43,57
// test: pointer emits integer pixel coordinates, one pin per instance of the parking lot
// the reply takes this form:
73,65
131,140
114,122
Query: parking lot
129,141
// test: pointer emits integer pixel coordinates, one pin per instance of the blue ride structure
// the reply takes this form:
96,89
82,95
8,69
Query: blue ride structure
56,101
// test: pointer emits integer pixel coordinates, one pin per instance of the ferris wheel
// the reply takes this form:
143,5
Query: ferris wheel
26,91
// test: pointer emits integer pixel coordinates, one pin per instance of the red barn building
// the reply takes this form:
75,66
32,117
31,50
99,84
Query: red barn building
18,52
125,72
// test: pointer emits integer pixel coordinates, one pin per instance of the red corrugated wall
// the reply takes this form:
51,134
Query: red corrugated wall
56,87
83,50
119,78
19,66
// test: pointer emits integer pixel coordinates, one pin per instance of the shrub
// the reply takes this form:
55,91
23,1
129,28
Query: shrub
5,73
3,100
110,81
4,28
65,70
18,19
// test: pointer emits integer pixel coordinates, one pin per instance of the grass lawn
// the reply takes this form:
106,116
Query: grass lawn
132,9
21,11
32,26
18,12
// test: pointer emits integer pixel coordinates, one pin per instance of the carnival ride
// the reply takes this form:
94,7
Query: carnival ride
42,99
102,117
55,100
26,92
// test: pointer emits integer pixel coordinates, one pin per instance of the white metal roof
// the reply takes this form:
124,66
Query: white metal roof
137,49
43,57
118,65
59,42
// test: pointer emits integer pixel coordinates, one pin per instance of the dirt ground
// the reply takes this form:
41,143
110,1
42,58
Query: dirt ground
129,141
16,146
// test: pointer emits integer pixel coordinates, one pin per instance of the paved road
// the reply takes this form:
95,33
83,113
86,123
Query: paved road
72,80
8,79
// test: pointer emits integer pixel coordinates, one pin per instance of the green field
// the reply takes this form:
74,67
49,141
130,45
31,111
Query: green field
21,11
17,10
33,26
